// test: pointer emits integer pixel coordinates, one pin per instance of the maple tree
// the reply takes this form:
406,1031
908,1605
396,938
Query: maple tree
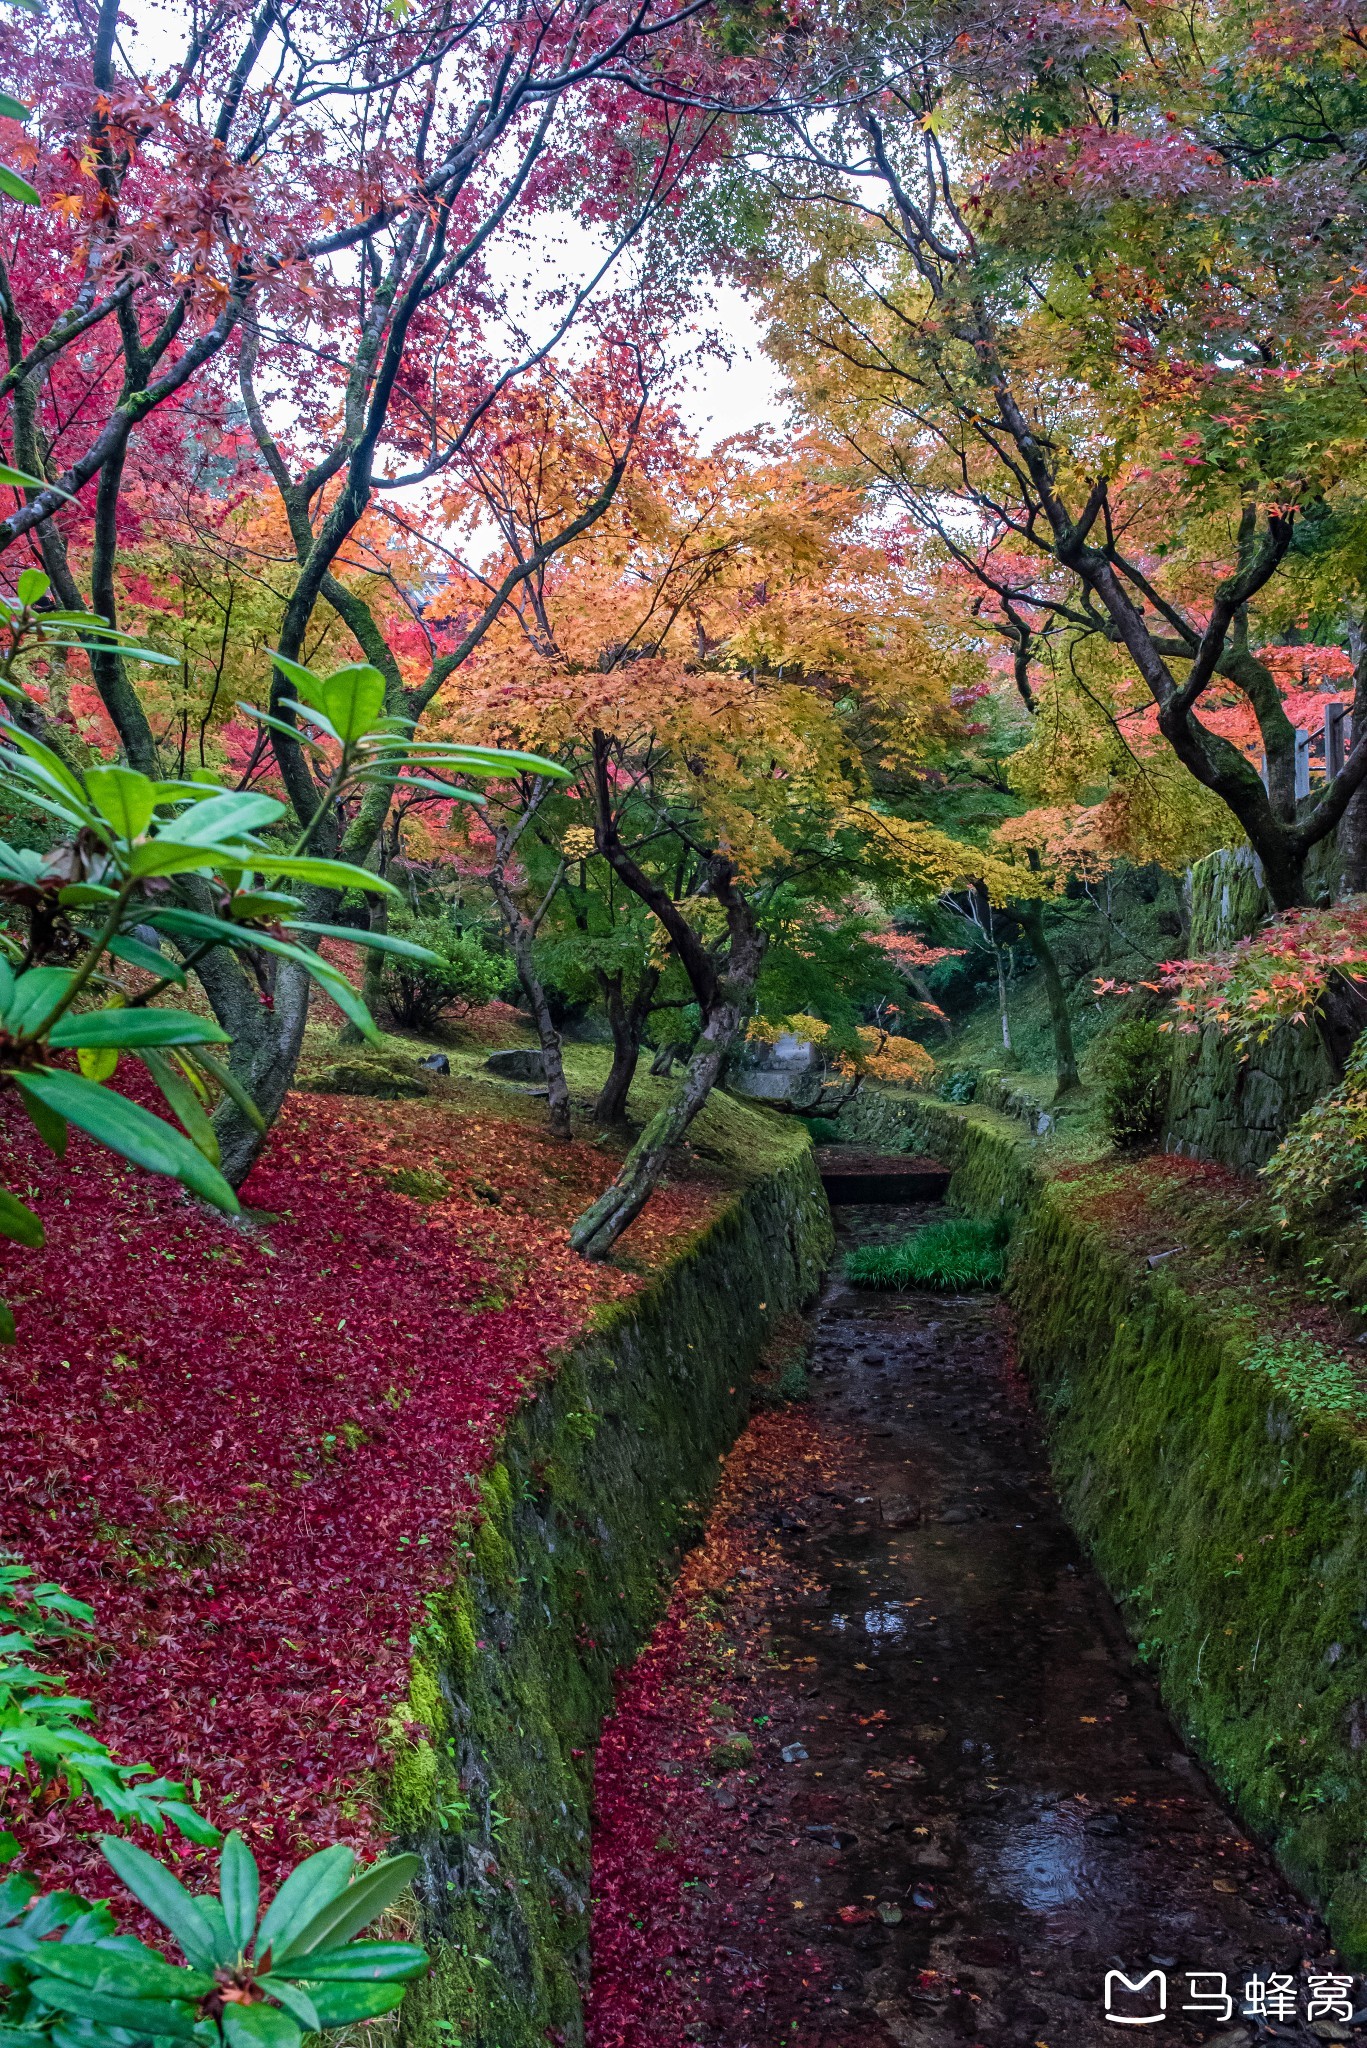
695,662
1071,291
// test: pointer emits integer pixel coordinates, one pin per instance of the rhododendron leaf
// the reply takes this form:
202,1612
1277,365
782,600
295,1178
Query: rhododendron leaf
248,904
125,799
29,584
192,1825
164,1896
223,1078
98,1063
239,1888
355,1908
129,1130
50,1127
80,894
295,2000
228,816
291,732
379,942
359,1962
446,789
171,857
144,2016
15,1893
309,685
260,2026
353,699
226,1950
338,2004
126,1027
36,994
319,719
327,874
185,1104
18,1222
124,947
306,1890
130,1971
42,757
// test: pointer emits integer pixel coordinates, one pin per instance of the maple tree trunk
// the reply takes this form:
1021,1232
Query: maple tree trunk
520,936
602,1223
627,1021
597,1230
265,1050
1065,1055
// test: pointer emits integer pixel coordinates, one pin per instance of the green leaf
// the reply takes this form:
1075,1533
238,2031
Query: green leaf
291,732
168,856
353,699
306,1890
19,1223
37,755
404,782
135,1971
51,1128
15,110
228,816
185,1104
134,1133
309,685
125,1027
318,719
361,1902
164,1896
379,942
29,584
98,1062
125,799
124,947
145,2016
338,2004
358,1962
295,2000
36,995
260,2026
326,874
224,1078
15,187
239,1888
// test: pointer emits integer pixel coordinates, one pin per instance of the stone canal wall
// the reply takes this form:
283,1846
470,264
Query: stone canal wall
600,1483
1227,1515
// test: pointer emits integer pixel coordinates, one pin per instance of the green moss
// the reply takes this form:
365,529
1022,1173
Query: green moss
599,1484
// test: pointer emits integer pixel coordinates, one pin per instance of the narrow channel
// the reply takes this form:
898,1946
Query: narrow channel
967,1805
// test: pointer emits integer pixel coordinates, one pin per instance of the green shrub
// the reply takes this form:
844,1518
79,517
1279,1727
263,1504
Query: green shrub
960,1085
963,1252
418,994
1321,1164
1136,1073
824,1130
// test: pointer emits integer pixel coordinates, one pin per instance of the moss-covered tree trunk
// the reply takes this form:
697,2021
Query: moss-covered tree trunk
627,1019
1065,1054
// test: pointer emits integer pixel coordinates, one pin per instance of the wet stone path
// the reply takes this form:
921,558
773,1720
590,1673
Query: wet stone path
977,1807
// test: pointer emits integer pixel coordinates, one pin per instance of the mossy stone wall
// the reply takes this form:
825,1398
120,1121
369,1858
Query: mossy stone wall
599,1484
1229,1103
1228,1520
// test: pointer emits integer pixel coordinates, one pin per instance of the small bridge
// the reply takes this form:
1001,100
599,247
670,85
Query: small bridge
851,1175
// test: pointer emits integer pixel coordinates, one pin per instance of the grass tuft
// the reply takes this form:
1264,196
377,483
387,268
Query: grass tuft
963,1252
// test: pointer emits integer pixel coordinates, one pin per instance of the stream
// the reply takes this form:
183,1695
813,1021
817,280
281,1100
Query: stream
969,1805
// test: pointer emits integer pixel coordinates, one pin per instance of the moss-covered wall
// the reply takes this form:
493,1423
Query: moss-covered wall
600,1482
1229,1103
1228,1520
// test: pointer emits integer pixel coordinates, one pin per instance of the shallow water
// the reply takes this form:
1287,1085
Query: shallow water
987,1768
